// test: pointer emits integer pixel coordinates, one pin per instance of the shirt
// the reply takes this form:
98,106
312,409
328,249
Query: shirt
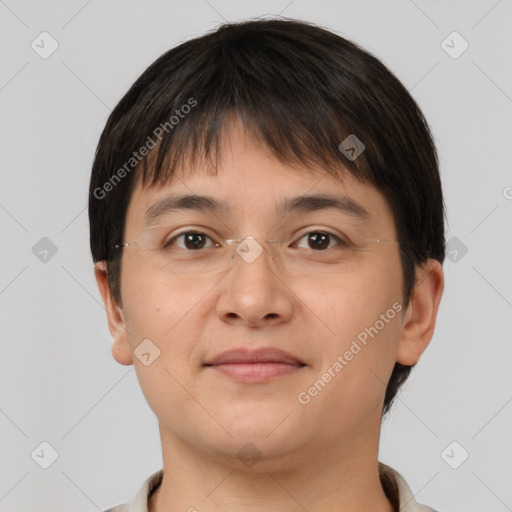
394,485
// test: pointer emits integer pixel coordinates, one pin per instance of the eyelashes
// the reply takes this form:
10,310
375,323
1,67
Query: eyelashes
320,237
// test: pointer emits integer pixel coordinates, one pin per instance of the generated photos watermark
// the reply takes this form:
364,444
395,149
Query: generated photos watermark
304,397
143,151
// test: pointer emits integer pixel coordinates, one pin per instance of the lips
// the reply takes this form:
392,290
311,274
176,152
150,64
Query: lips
255,366
257,356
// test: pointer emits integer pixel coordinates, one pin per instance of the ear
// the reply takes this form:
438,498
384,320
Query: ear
419,318
121,350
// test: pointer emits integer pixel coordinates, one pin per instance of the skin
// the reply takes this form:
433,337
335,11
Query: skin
321,456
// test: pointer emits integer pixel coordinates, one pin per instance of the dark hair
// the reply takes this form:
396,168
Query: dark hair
301,90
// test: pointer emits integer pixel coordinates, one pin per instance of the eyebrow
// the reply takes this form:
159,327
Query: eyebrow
298,204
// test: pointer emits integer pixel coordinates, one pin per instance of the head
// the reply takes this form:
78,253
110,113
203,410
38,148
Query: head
252,113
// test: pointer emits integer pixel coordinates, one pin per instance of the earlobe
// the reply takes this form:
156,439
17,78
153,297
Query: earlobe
420,316
121,350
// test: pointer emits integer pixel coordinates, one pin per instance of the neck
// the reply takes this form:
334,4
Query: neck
334,479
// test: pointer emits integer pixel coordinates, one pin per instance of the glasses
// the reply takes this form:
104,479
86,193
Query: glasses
196,252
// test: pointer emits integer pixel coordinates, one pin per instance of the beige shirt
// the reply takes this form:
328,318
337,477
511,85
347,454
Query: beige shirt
395,487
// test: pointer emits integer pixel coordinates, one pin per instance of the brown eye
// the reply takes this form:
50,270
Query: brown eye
192,240
320,240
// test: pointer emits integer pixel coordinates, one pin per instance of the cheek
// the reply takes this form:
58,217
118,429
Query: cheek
164,312
357,355
358,313
153,306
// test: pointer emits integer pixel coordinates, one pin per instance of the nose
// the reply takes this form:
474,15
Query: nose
253,292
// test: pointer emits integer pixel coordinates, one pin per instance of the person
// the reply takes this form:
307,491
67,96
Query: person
267,226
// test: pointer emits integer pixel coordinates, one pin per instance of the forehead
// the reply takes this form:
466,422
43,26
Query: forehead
251,182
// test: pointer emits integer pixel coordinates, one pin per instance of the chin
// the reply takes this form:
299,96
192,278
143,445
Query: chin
260,454
261,421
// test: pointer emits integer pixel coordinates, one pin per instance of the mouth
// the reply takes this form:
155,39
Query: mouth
256,366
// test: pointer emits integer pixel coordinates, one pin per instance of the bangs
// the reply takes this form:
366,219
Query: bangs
197,142
301,118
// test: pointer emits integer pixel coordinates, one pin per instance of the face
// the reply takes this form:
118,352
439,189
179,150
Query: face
339,321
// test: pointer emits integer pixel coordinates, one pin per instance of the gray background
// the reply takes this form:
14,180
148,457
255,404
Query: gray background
59,382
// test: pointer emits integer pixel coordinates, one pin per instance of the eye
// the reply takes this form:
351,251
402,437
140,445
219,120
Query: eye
320,240
192,240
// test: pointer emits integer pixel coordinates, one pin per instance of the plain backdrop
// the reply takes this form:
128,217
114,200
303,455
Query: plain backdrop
58,381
